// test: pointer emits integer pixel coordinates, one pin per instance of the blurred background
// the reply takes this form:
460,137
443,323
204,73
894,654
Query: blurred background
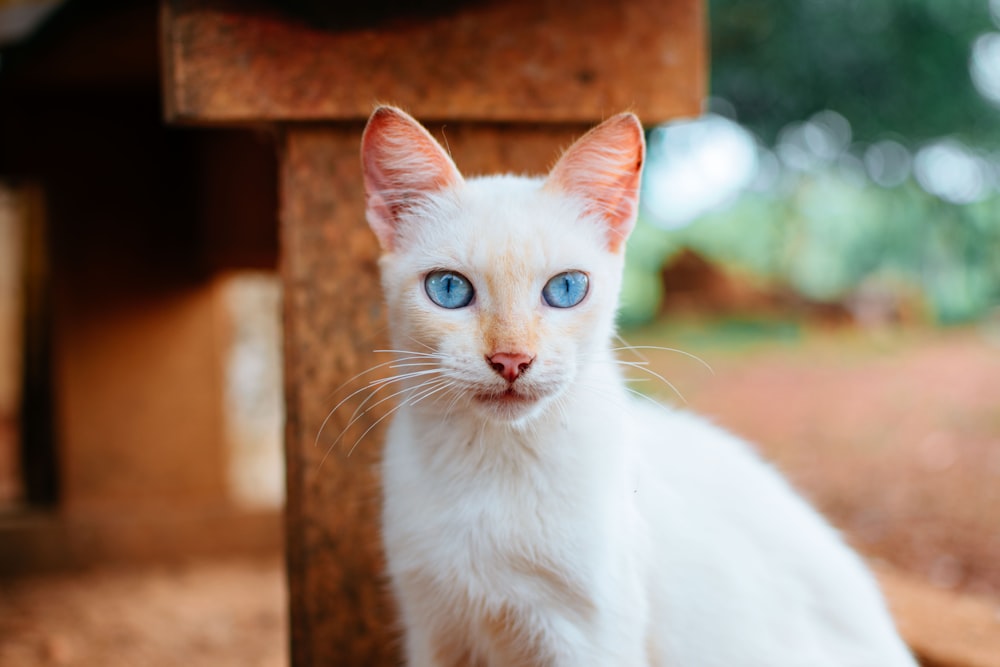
848,157
825,236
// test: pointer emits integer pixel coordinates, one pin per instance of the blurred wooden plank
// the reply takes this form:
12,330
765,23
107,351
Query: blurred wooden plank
497,60
944,629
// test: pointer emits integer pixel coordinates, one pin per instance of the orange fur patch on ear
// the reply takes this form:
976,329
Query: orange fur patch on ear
604,169
401,162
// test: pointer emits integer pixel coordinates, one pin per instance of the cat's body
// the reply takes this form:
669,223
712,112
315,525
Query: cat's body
536,514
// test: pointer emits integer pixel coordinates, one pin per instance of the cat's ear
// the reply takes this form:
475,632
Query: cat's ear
604,168
401,163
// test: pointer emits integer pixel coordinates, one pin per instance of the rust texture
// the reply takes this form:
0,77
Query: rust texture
334,320
496,60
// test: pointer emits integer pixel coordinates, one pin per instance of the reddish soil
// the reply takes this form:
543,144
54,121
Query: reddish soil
896,438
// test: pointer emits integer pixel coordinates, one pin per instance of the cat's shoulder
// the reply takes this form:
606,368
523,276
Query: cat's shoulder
690,450
681,429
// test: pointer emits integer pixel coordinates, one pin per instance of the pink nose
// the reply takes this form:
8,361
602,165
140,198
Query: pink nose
509,365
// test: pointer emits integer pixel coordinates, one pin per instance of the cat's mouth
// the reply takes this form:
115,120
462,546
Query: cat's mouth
510,396
509,405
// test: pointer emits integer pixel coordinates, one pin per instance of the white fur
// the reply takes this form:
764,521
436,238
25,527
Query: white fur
583,527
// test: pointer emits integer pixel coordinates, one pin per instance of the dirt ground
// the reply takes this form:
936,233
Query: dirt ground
896,437
215,614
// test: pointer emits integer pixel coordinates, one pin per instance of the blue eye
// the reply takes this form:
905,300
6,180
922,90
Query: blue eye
565,290
448,289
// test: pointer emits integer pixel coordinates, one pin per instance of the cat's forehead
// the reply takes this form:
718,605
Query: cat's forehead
515,220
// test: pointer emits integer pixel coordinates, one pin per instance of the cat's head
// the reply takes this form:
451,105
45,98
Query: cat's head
503,288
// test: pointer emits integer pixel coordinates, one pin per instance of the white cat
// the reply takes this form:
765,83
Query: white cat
535,514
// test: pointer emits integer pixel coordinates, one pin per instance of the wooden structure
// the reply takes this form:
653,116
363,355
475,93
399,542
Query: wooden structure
129,226
510,82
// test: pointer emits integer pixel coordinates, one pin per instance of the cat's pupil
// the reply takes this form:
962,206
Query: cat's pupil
448,289
566,289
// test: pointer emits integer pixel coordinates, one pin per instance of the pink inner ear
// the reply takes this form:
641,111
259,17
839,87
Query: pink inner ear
604,169
401,163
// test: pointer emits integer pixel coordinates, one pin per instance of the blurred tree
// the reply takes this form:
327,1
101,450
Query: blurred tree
889,66
879,174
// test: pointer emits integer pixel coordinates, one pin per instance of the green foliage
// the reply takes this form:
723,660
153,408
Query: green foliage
642,291
827,236
895,67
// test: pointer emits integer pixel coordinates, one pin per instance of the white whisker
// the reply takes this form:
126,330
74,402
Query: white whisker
643,396
645,369
451,406
433,355
378,384
636,348
364,372
361,410
343,432
410,400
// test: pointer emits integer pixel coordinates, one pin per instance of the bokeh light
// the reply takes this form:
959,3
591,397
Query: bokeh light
952,172
695,166
815,143
888,163
985,66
